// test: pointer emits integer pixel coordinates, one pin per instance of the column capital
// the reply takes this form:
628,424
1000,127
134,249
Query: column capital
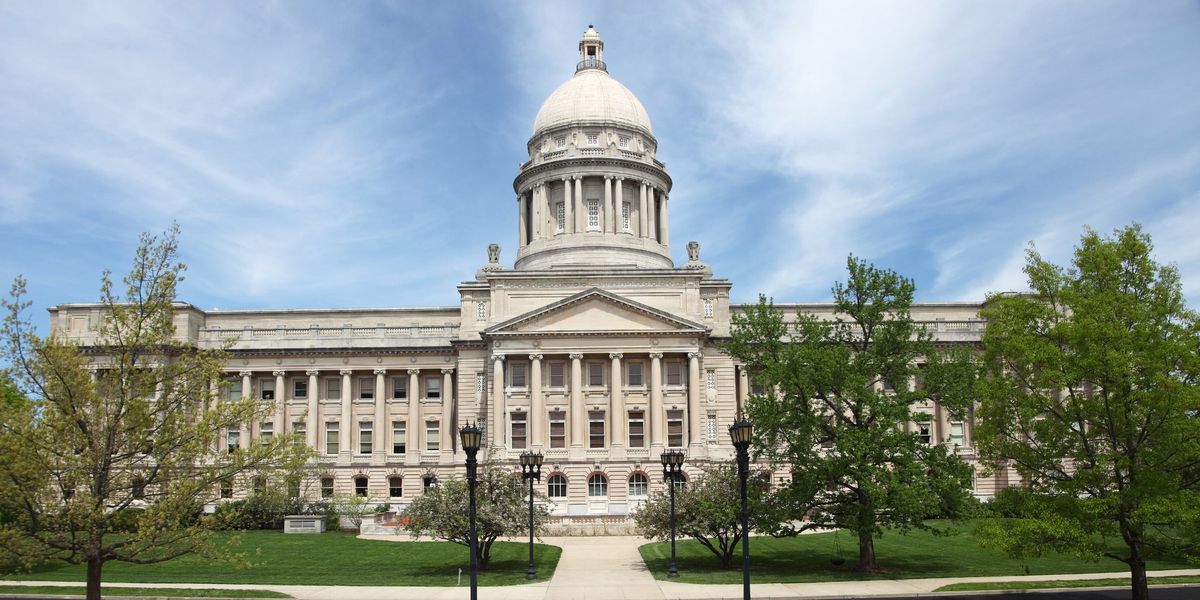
380,371
414,371
498,357
615,355
656,355
245,373
279,373
646,182
576,356
535,356
346,372
695,355
620,177
312,372
447,371
577,177
564,178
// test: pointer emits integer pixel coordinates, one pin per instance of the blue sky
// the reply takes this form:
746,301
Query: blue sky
362,154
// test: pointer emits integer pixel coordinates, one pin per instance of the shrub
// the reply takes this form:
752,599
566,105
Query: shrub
1012,502
125,520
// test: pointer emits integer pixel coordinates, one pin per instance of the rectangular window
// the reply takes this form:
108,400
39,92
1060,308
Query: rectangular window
518,430
708,308
674,372
712,429
956,433
516,375
399,388
623,142
593,214
233,390
558,374
360,486
399,435
366,388
266,389
637,429
266,431
560,212
326,487
366,437
560,142
596,429
625,207
558,429
331,438
395,487
432,438
675,428
480,310
333,388
233,439
923,431
633,374
593,139
710,379
595,374
433,388
299,388
301,432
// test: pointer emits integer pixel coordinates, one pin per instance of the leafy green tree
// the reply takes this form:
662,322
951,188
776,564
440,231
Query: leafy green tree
502,509
127,419
1092,396
708,509
829,418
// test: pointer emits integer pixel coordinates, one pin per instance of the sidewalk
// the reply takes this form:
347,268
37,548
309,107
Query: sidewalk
610,568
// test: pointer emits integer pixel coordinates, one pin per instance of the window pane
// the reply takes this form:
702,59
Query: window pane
558,430
674,373
360,486
395,487
638,485
365,437
557,378
556,487
432,441
675,428
331,438
637,429
517,377
398,437
366,388
635,374
433,387
595,374
596,429
333,388
518,430
299,388
399,388
597,485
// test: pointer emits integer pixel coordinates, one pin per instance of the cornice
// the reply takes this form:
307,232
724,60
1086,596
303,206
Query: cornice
521,181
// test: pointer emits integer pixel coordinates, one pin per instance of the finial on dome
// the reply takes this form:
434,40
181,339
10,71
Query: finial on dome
591,51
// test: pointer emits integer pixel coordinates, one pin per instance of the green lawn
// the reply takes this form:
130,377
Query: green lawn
126,591
807,558
1073,583
325,559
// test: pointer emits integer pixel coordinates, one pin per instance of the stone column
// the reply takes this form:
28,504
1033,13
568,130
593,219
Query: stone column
497,425
656,415
448,398
521,216
568,208
547,222
245,428
653,208
578,421
580,211
279,423
664,225
743,391
617,407
643,228
381,427
695,425
619,203
609,214
346,437
313,421
537,404
412,426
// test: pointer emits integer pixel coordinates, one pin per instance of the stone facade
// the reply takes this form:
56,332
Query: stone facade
594,348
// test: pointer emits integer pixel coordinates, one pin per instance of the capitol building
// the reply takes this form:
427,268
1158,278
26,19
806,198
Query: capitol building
593,347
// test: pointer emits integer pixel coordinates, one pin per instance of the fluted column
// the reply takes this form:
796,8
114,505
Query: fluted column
610,216
311,422
537,404
568,207
497,425
381,427
346,436
245,428
655,414
580,211
694,386
743,391
577,419
618,204
664,225
448,399
413,428
521,216
548,218
617,406
653,216
279,423
643,219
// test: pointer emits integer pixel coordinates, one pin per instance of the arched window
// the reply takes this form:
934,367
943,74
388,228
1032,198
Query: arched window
556,486
681,481
360,486
395,486
638,485
597,485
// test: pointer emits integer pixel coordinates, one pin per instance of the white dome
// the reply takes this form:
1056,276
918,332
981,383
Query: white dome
592,96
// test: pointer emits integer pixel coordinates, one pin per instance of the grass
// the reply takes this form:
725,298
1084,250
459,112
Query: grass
919,554
326,559
39,590
1070,583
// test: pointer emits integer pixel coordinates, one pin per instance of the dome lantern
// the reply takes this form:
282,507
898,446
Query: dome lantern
591,51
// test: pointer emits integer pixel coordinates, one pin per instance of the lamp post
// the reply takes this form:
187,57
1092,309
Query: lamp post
531,470
471,437
672,463
740,432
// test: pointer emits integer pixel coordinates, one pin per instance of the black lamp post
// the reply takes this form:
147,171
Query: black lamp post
531,471
672,462
740,432
471,437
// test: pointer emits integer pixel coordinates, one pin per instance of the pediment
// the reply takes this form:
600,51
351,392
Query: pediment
595,312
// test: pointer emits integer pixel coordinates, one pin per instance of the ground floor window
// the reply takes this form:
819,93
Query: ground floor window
326,487
556,486
639,485
360,486
597,485
395,487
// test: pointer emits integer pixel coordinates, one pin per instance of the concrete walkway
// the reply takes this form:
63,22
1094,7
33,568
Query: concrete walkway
610,568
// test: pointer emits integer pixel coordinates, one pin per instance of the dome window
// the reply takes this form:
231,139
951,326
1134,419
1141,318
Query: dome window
560,142
623,142
593,139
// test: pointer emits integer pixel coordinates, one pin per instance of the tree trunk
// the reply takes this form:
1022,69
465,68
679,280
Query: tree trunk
93,578
1137,571
866,551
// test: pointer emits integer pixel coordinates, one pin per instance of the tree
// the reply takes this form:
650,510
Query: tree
708,509
836,409
501,510
1092,395
127,419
